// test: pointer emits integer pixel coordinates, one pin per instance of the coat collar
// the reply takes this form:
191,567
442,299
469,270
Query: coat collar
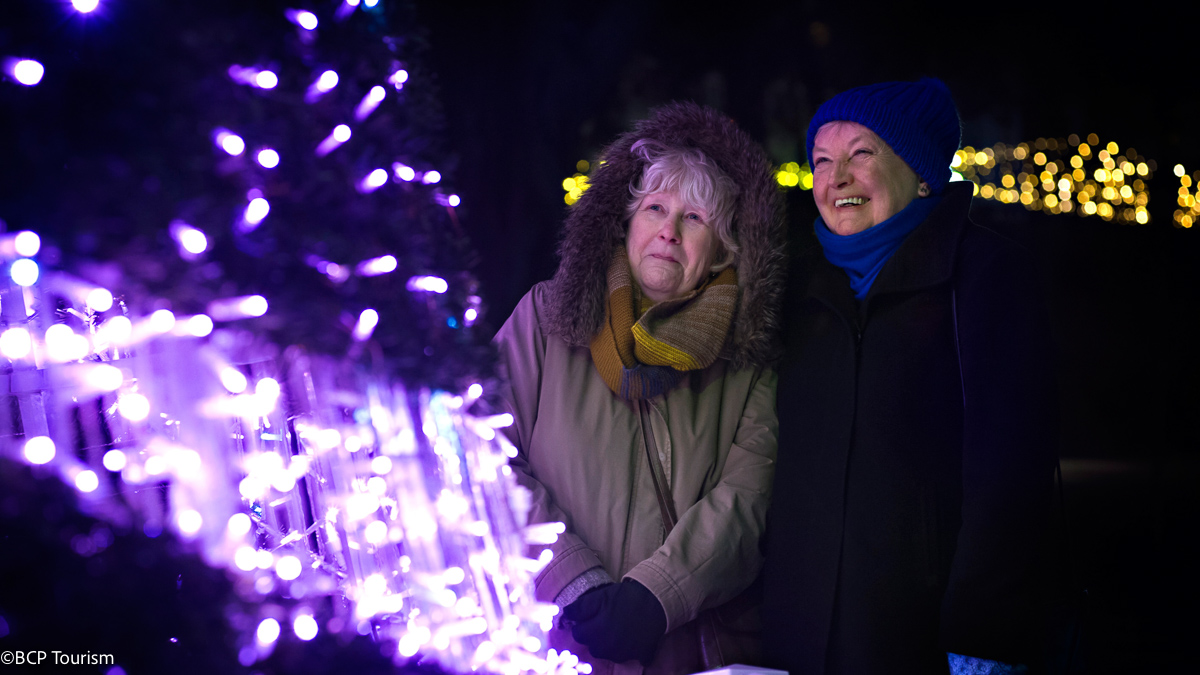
925,259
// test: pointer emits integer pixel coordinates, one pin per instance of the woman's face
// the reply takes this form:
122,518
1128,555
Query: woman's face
858,181
671,246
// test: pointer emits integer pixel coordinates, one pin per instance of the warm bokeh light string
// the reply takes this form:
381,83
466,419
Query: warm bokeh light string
1054,176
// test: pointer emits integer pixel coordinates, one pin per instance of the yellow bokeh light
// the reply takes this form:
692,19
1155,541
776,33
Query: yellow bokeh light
792,167
1066,206
1104,210
1112,148
976,190
569,199
568,184
1085,149
1077,161
981,158
1142,217
1039,158
1051,201
1101,175
1142,169
1064,183
1007,181
1093,139
806,181
1109,193
1026,198
1020,151
1118,175
957,160
1126,193
1179,170
1186,221
1089,208
1078,175
582,166
987,191
1127,167
1185,181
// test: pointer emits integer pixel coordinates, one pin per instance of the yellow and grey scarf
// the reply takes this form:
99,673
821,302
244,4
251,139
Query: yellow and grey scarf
644,357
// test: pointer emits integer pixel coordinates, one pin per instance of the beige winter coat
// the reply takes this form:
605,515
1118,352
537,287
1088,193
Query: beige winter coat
583,455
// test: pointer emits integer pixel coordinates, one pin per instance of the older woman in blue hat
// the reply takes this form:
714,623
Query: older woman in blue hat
917,411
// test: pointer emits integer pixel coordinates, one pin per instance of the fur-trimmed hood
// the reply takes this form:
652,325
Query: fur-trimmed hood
597,224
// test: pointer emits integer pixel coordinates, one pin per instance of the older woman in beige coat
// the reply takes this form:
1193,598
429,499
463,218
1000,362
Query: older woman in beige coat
644,400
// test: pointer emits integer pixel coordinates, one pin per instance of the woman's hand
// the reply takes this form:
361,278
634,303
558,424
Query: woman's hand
618,622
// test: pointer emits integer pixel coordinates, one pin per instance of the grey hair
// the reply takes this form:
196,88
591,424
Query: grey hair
696,179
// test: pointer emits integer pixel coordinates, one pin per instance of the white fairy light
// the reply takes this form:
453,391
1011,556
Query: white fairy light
15,343
373,180
240,307
398,78
27,243
256,211
229,142
114,460
189,522
85,6
340,134
199,325
99,300
268,631
133,407
305,627
39,450
63,344
326,82
162,321
303,18
28,72
24,272
105,377
288,567
245,558
267,387
453,200
117,330
404,172
267,158
266,79
431,177
427,283
233,380
370,102
239,525
381,465
375,266
368,319
192,242
87,481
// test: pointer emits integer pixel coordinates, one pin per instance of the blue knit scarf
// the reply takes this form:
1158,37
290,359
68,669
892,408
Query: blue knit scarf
864,254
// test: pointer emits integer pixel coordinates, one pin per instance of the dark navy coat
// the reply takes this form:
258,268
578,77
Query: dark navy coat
917,447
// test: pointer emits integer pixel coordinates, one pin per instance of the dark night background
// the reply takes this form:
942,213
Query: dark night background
530,88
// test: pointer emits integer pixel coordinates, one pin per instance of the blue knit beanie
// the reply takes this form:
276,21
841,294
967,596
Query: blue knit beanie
917,119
